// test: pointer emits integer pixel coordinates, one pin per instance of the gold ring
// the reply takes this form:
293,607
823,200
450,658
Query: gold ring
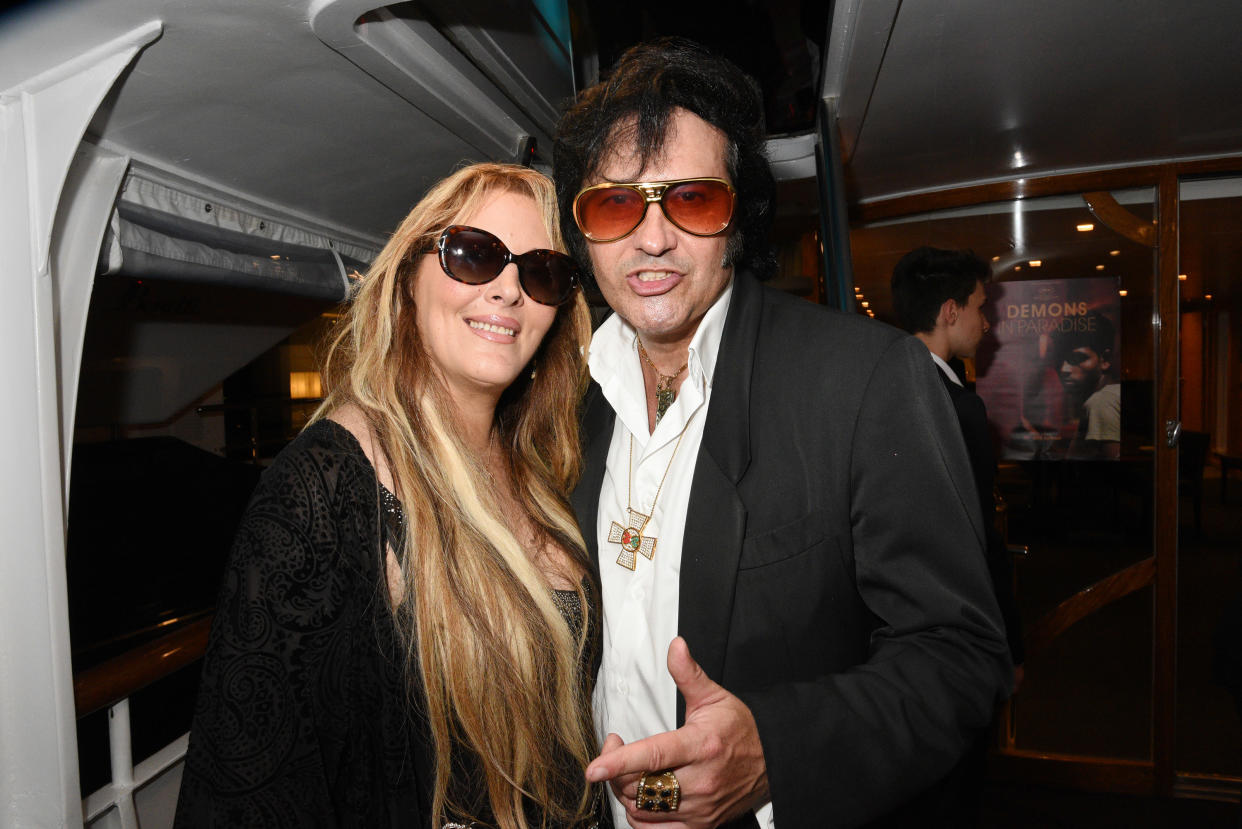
658,792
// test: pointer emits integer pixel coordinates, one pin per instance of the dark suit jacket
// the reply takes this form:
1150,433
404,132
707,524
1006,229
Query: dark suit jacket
972,415
832,571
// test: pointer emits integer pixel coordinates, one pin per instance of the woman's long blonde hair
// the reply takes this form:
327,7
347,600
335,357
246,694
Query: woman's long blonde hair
490,660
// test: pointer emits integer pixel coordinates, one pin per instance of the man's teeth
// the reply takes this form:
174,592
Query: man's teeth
652,276
495,329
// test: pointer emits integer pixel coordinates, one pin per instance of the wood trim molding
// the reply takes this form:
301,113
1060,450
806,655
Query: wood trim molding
1105,207
117,678
1069,771
1164,622
1147,175
1085,602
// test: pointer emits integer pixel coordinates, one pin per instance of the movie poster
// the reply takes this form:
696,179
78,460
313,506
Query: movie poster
1050,373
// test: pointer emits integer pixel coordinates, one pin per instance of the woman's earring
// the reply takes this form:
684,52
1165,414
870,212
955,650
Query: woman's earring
534,368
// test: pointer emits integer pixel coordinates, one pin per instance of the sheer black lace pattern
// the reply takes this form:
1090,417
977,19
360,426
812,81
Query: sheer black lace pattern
303,716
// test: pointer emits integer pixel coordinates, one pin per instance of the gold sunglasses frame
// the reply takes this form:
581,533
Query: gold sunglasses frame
653,192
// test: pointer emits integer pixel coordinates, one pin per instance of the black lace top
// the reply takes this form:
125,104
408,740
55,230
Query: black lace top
302,719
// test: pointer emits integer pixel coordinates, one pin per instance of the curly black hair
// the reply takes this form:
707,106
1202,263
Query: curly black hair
636,102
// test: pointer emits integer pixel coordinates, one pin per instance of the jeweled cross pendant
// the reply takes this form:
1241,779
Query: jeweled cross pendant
632,540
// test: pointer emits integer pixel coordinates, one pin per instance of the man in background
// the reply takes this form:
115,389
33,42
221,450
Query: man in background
938,296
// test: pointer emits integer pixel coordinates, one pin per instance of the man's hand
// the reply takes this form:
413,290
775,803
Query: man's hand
716,755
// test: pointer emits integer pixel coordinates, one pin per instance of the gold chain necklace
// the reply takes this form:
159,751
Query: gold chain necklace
664,382
631,537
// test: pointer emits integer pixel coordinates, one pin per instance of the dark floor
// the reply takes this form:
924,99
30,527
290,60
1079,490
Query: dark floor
1014,806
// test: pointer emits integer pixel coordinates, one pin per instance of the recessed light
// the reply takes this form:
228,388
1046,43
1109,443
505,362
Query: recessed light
1099,267
1181,277
1084,227
1122,292
1035,263
866,304
1114,253
1207,296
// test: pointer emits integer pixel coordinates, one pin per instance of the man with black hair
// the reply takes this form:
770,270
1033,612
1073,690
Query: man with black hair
798,626
1084,354
938,296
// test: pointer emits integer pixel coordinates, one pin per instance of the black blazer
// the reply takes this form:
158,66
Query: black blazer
972,417
832,570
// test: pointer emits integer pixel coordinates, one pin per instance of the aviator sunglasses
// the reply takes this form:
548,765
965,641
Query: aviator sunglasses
610,211
476,257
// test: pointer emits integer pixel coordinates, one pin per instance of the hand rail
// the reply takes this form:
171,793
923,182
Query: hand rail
1085,602
116,679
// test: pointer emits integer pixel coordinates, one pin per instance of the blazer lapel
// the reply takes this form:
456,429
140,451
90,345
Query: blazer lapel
716,516
597,420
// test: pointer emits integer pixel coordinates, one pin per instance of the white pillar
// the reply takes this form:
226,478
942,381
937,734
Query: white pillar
42,120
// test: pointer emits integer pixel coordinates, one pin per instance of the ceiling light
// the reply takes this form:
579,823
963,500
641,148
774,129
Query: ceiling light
1207,296
866,304
1122,292
1181,277
1084,227
1035,263
1017,267
1099,267
995,258
1114,253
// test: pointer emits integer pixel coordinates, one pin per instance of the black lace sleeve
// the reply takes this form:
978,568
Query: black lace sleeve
294,693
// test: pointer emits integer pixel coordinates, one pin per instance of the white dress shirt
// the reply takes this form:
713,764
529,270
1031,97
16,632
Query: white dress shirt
944,367
634,695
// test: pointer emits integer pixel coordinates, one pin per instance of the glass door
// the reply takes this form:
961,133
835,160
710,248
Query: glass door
1208,744
1069,376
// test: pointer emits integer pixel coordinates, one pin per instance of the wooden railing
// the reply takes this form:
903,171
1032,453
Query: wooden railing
1087,601
109,685
116,679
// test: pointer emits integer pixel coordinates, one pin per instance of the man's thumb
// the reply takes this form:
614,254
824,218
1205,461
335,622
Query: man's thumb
692,681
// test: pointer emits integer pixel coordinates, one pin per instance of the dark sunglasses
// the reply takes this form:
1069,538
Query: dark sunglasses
476,257
609,211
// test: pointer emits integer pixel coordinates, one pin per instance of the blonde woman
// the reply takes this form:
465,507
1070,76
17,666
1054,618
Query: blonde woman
407,622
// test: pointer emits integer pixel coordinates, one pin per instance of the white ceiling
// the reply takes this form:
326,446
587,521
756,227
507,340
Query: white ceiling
934,93
251,97
245,97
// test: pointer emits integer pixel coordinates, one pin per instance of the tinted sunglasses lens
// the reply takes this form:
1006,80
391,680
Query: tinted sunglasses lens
700,207
609,212
547,277
472,256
